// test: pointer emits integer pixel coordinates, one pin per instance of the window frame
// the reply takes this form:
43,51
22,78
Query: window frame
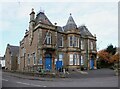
70,59
40,61
82,44
28,59
48,38
74,59
91,45
61,41
34,58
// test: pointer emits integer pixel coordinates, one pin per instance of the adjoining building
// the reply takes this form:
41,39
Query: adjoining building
52,47
2,62
11,57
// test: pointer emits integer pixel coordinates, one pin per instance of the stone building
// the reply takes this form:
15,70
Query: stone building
48,46
11,57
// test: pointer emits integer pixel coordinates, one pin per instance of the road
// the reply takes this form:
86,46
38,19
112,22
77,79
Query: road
102,81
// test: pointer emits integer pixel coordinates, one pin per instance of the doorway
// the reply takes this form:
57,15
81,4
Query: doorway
48,62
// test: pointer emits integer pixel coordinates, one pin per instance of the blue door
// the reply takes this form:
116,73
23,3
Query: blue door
48,62
91,64
58,65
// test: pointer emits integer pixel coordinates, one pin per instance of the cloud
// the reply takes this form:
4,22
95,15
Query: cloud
100,18
60,0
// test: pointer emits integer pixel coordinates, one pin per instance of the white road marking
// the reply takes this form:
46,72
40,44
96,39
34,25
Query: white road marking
23,83
29,84
4,79
36,85
44,86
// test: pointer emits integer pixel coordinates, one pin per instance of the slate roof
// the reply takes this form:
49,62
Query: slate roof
41,17
84,31
60,29
70,24
1,58
14,50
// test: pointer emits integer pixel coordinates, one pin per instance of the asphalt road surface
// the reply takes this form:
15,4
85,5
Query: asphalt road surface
88,81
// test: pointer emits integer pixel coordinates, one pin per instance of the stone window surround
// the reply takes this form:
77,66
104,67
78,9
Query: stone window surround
74,59
61,42
73,40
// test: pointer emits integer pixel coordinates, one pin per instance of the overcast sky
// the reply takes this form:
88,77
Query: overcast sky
101,18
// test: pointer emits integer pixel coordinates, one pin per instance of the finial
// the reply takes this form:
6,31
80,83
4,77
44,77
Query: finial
55,23
32,10
70,14
94,35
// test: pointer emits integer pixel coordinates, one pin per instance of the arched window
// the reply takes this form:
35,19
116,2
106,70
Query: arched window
48,55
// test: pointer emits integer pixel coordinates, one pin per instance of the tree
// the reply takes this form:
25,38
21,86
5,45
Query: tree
103,55
114,58
108,56
110,49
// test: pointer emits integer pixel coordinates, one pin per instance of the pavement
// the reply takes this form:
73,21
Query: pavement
99,73
23,76
91,78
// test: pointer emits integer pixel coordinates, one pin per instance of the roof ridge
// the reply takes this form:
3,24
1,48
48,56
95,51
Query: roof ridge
70,20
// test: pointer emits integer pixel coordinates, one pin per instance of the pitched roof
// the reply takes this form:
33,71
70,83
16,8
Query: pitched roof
41,17
70,24
1,58
60,29
70,20
84,31
14,50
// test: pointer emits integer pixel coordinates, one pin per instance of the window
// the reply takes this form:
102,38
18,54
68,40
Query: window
19,59
61,58
48,38
75,42
34,58
82,62
74,59
55,61
40,60
82,44
28,58
61,42
71,41
91,45
23,51
78,42
71,59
